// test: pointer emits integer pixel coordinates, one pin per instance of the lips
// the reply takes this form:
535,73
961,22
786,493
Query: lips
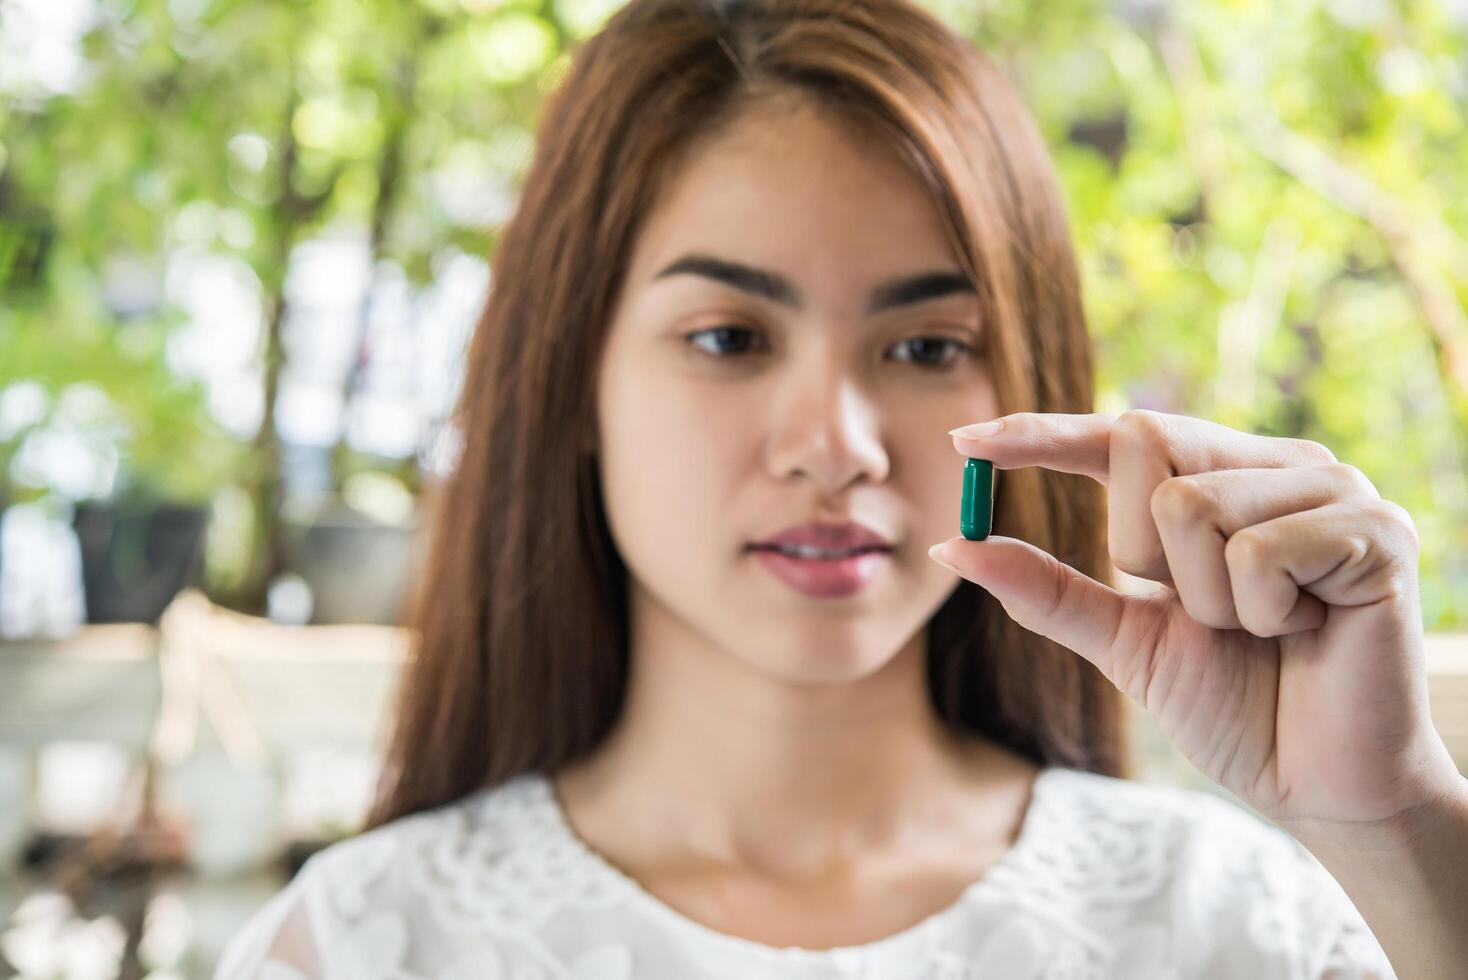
845,536
825,560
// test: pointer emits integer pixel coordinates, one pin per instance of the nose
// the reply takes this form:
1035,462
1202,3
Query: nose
827,428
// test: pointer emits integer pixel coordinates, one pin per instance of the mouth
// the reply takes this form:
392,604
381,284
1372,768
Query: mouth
824,573
814,553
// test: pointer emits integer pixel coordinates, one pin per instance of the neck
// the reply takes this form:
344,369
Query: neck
717,762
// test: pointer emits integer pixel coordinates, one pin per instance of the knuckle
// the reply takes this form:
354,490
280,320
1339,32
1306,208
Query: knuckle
1183,500
1250,620
1141,424
1313,450
1138,565
1359,550
1060,587
1352,477
1245,548
1019,423
1401,518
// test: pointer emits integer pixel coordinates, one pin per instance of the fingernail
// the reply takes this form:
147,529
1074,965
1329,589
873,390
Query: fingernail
936,553
978,429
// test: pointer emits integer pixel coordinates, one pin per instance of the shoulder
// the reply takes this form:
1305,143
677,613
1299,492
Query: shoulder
1093,841
433,854
1183,818
367,901
1192,826
1219,878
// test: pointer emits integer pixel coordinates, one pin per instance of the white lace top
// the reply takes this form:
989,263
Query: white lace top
1108,878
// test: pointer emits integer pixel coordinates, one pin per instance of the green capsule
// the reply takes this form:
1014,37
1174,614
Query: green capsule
976,519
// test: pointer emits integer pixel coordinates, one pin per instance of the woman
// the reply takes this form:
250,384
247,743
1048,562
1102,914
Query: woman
689,698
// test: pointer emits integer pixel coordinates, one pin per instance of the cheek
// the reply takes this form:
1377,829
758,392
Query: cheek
668,466
932,487
666,436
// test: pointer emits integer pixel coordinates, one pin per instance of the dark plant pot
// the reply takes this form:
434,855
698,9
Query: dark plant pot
359,571
135,560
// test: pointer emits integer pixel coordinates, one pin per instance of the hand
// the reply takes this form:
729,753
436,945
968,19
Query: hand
1283,653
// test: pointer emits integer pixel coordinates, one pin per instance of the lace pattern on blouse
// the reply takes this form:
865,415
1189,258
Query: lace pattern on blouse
1109,879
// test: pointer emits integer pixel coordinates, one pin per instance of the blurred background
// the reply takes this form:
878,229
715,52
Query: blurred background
242,247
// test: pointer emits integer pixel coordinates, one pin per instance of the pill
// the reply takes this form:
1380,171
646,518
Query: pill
976,518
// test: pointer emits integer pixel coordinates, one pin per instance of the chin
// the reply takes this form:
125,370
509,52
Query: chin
820,664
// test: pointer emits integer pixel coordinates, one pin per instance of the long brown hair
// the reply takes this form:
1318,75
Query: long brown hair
519,657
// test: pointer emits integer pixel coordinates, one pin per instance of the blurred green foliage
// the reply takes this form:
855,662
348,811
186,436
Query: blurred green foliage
1269,198
1270,203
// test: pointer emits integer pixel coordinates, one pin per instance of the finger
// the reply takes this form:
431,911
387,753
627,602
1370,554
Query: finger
1351,553
1131,454
1086,444
1054,440
1148,448
1197,514
1055,600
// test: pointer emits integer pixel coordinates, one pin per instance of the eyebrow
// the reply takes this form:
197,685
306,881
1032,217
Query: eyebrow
904,291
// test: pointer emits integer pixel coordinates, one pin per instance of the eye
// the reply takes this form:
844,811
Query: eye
725,334
730,339
926,348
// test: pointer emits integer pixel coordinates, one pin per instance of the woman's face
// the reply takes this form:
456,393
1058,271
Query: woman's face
805,406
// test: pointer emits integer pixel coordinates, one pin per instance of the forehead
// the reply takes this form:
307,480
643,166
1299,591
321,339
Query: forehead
796,188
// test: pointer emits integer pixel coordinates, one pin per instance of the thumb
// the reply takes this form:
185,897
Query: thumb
1041,593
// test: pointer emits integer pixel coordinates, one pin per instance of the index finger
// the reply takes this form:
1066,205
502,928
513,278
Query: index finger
1172,445
1055,440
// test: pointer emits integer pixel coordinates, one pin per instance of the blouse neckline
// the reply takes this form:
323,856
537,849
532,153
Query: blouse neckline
1028,839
